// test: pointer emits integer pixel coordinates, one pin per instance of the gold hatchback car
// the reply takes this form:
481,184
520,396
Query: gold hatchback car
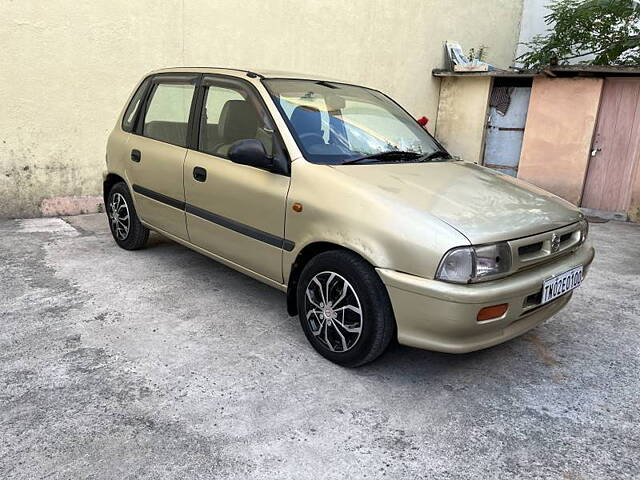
334,194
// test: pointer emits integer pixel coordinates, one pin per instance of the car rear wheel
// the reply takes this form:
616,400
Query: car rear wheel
126,228
344,308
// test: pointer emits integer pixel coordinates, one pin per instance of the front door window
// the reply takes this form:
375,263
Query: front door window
230,114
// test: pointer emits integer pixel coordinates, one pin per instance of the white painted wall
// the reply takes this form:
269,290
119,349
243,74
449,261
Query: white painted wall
532,23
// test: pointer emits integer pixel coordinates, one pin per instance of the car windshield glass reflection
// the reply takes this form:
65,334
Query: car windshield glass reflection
336,123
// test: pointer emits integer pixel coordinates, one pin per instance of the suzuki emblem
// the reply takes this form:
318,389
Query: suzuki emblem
555,243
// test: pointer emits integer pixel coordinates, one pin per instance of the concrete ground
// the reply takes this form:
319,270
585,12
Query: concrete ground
164,364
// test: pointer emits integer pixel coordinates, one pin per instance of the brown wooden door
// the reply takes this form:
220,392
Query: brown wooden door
616,147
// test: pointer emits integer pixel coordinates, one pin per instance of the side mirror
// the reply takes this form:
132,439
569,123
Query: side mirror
250,152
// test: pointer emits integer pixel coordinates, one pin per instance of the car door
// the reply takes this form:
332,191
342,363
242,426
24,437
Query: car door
235,211
158,150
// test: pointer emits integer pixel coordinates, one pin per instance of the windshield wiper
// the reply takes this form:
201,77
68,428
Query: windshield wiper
434,155
382,156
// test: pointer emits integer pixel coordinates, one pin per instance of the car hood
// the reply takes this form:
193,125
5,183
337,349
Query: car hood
484,205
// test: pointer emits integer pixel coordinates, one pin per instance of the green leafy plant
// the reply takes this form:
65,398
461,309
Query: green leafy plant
478,54
597,32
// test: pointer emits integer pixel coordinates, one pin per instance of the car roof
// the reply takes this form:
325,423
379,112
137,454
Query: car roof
264,73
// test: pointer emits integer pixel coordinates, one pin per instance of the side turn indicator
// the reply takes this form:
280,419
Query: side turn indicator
297,207
494,311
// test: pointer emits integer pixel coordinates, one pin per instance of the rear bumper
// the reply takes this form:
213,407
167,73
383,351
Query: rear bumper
441,316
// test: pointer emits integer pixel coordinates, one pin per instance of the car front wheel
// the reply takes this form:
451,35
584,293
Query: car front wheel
344,308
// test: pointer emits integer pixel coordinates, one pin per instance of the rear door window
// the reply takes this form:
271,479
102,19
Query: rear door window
167,116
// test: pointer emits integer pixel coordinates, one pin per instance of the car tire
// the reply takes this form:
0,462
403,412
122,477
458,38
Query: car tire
344,308
125,226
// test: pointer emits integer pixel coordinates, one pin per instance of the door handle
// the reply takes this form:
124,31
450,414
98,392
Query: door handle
200,174
136,156
595,151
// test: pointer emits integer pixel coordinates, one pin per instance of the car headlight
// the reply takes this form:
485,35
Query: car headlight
584,230
470,264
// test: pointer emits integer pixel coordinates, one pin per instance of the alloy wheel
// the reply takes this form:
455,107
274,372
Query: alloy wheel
333,311
119,216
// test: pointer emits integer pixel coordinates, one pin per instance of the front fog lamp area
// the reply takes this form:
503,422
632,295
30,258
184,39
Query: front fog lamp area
469,264
584,230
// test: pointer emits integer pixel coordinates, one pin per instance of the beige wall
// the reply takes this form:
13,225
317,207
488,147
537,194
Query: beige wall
67,67
462,116
557,139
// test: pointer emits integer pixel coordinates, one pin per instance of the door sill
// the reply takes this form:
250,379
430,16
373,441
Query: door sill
250,273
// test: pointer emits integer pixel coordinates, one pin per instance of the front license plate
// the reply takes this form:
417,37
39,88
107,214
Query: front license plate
560,284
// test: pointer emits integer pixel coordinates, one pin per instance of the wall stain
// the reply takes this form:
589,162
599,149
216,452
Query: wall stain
26,181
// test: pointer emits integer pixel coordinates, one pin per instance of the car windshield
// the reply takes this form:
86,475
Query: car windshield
335,123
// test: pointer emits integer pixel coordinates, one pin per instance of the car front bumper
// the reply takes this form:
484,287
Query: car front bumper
442,316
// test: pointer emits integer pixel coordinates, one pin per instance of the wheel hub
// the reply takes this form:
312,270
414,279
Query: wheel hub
333,312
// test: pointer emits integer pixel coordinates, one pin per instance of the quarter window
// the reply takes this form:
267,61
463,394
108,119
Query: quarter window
167,116
129,119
